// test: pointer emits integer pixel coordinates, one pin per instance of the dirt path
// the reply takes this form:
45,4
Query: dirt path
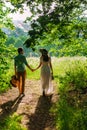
33,106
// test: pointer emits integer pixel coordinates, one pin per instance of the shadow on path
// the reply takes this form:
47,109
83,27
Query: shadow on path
9,107
42,118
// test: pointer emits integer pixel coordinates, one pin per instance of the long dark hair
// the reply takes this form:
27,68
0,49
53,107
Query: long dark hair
44,54
45,58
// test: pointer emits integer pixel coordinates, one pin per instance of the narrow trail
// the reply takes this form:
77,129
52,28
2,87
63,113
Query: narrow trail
33,106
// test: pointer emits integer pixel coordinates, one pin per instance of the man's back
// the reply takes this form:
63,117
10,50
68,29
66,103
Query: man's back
20,62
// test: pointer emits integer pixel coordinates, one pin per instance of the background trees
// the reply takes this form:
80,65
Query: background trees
57,22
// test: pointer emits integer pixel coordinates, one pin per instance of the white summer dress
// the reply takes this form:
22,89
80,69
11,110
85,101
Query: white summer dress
46,80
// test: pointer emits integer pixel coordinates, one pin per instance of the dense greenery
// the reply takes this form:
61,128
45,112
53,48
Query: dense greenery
71,108
12,123
56,25
59,22
6,53
17,38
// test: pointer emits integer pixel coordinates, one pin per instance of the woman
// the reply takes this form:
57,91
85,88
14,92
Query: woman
20,70
46,72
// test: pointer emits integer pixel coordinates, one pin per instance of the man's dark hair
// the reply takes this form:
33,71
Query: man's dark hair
20,49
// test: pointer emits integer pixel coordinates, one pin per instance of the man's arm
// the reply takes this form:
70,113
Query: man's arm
29,67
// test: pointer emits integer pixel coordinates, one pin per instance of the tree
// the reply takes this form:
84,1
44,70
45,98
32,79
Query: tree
5,52
54,22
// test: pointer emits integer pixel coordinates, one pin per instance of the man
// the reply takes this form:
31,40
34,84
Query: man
20,63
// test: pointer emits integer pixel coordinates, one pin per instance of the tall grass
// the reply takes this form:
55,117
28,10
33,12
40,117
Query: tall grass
70,117
75,74
71,108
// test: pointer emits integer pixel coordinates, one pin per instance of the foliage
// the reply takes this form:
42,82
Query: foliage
75,77
69,117
6,53
59,23
11,123
17,38
5,21
71,109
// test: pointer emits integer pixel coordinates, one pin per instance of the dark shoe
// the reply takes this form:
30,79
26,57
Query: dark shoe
22,94
44,93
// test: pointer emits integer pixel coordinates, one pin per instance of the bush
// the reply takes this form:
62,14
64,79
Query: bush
71,109
75,77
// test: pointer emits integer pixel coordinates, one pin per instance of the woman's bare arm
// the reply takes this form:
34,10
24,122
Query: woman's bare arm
51,67
38,66
29,67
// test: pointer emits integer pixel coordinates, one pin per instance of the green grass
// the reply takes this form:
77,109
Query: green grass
33,62
12,123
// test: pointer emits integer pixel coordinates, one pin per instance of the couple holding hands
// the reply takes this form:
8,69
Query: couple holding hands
20,63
